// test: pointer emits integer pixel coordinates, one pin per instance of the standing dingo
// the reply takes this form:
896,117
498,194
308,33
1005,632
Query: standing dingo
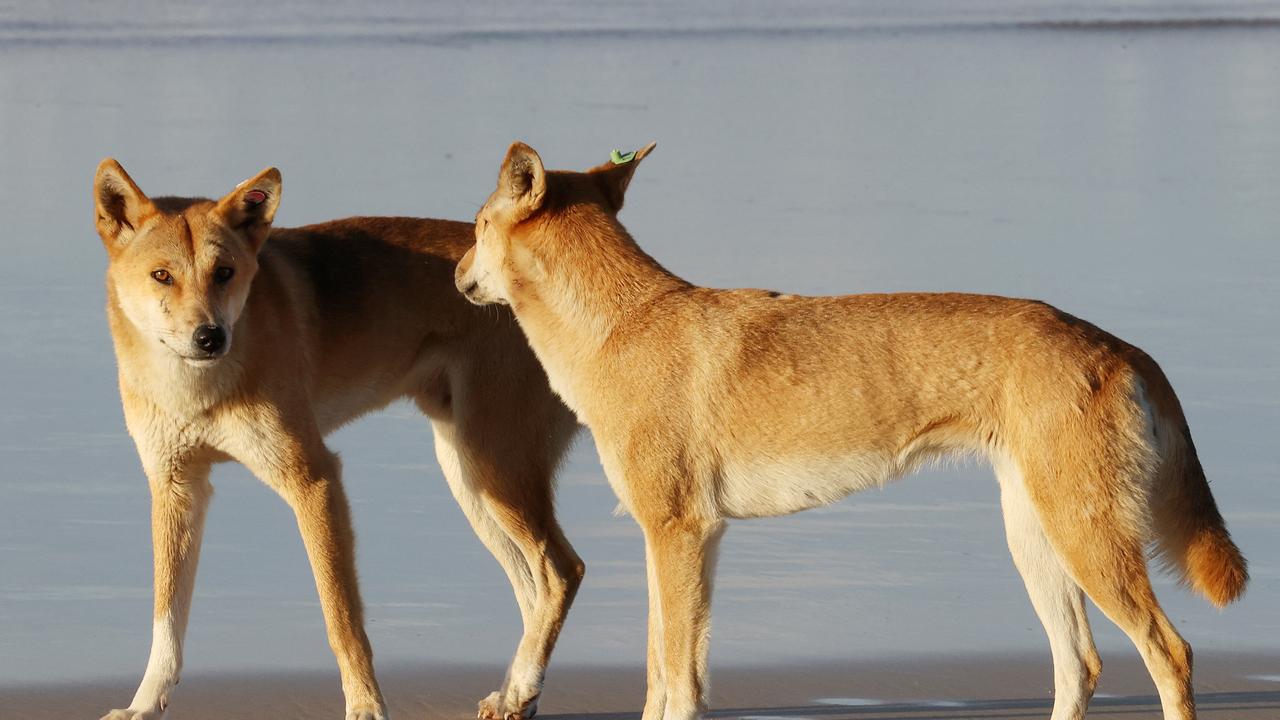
239,342
714,404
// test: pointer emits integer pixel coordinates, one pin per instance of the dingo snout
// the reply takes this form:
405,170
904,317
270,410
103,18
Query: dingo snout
212,339
472,276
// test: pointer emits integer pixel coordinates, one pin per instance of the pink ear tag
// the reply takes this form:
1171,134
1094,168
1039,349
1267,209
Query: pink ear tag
255,197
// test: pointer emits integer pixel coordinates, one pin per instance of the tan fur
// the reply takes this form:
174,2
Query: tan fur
714,404
325,323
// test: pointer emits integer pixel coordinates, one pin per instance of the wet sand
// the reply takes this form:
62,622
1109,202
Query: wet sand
1242,687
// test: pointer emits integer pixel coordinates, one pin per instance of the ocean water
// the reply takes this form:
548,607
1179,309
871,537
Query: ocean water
1118,159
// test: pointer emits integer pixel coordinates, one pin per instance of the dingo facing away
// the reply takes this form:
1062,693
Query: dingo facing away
713,404
233,345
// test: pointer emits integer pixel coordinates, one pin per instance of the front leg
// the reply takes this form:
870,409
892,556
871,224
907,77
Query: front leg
307,475
655,698
683,553
180,493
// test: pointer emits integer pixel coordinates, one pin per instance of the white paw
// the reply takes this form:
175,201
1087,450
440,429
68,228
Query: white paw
490,707
513,707
128,714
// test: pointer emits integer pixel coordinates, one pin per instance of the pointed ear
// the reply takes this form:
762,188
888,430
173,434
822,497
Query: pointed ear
119,205
615,175
523,179
251,207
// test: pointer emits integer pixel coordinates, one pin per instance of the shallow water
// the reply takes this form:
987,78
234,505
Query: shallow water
1128,172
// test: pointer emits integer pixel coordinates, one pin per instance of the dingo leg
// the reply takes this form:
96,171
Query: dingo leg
294,461
1107,557
180,493
683,560
1058,601
499,458
655,698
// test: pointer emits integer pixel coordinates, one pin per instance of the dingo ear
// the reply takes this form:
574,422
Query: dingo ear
615,175
251,207
119,204
523,180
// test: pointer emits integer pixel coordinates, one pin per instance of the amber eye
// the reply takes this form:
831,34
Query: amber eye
223,274
162,276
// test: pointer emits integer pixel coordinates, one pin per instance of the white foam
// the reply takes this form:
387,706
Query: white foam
849,702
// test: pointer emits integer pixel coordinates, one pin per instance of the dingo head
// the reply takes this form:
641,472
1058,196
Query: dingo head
180,268
532,206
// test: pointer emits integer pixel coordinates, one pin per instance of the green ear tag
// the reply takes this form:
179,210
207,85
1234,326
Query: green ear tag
620,158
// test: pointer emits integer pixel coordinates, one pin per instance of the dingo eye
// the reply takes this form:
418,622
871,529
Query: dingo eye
223,274
162,276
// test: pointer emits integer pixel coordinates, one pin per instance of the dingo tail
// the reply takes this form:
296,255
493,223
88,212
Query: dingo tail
1191,536
1195,538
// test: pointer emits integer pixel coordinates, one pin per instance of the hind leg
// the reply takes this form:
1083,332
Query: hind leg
1107,558
491,535
1057,600
1117,582
557,572
526,540
499,444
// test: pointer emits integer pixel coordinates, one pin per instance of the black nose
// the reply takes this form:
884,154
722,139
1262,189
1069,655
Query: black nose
210,338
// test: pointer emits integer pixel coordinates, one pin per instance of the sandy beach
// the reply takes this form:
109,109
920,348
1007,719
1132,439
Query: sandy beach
1229,686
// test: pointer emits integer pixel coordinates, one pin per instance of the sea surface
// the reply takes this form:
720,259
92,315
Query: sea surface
1118,159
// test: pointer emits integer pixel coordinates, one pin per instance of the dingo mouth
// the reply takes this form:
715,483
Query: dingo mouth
199,360
469,292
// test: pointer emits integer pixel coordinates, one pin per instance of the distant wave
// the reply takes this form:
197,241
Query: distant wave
96,24
1188,23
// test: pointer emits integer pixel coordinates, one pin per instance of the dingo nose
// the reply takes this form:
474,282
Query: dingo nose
210,338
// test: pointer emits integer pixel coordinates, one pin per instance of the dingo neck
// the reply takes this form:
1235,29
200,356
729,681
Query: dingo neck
581,289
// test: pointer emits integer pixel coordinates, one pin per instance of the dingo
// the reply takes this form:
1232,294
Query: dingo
714,404
239,342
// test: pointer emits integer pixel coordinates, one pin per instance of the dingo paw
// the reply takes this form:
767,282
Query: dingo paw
128,714
495,707
367,712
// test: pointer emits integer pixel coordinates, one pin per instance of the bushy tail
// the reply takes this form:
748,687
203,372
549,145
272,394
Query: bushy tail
1191,534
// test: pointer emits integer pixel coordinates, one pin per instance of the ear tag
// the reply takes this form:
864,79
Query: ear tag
620,158
255,197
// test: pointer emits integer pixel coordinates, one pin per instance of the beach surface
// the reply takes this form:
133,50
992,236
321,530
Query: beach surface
1230,687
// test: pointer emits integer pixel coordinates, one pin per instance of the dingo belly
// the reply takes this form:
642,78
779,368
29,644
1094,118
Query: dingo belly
779,486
